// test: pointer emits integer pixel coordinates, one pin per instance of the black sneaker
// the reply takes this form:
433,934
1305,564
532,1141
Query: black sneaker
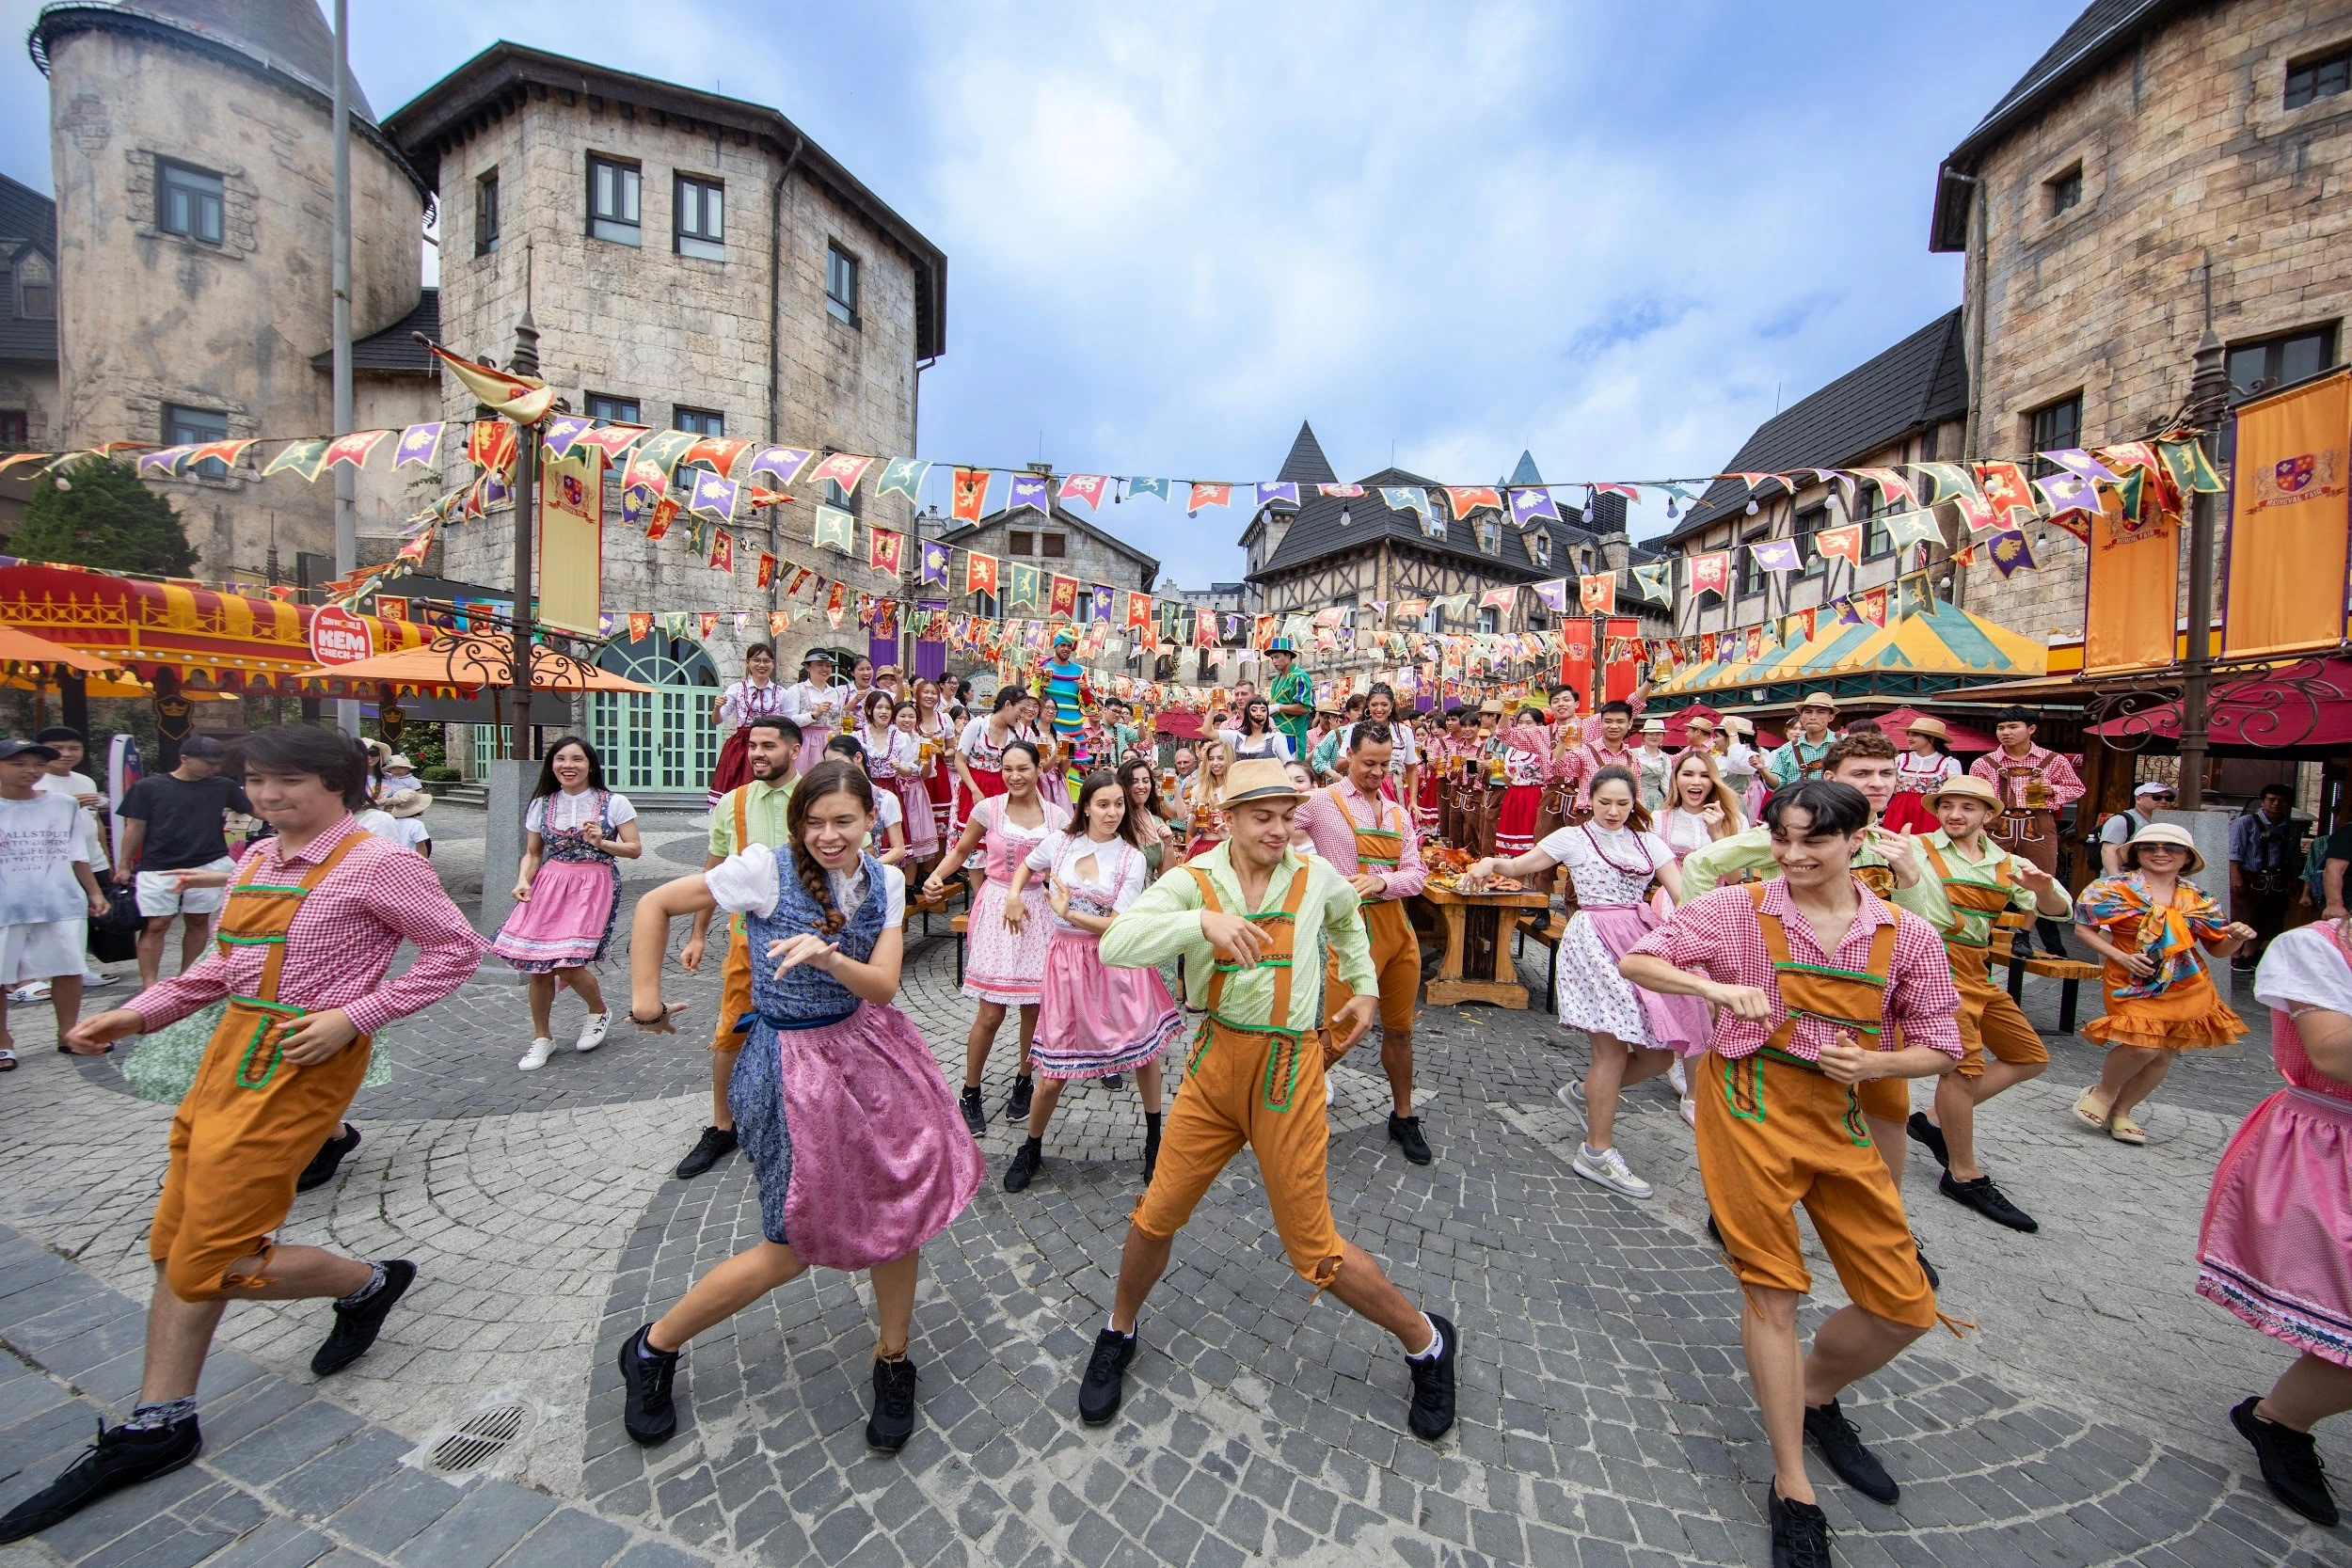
356,1327
1101,1389
1027,1161
1150,1153
715,1143
1935,1280
1017,1102
1800,1532
1988,1200
1114,1081
647,1414
1405,1131
119,1458
2289,1459
974,1114
1929,1136
1841,1445
328,1160
893,1421
1431,1416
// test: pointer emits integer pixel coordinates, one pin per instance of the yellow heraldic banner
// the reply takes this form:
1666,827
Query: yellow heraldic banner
571,541
2290,521
2130,593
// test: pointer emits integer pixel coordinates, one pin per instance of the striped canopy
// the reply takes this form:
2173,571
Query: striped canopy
1944,640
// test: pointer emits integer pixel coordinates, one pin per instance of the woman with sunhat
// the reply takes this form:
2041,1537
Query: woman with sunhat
1924,767
814,704
2148,924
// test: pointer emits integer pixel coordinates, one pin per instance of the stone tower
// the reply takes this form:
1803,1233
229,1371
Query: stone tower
192,142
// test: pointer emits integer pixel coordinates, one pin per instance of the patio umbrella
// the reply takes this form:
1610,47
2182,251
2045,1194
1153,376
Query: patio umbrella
469,661
1962,737
24,647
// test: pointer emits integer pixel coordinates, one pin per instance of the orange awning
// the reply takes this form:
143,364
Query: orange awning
467,662
22,647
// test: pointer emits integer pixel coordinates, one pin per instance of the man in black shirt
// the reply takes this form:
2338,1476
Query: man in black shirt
174,822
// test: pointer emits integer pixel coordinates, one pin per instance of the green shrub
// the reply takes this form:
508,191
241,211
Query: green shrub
438,774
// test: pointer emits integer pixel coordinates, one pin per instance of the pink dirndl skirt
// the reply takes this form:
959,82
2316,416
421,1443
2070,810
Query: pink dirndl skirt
1094,1020
922,830
1515,825
1677,1021
567,922
999,963
2276,1247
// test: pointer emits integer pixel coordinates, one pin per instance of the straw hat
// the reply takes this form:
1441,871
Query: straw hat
1925,725
408,803
1259,779
1493,704
1967,784
1736,725
1700,722
1653,726
2169,834
1818,699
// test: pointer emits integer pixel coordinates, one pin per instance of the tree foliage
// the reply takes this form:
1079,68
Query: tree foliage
107,518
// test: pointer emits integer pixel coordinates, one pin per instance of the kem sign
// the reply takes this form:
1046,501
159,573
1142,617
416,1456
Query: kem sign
338,636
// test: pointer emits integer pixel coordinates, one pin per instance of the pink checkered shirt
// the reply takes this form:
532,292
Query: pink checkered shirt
1334,830
342,940
1717,936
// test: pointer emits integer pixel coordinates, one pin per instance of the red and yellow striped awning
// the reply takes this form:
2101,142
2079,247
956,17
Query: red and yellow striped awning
211,640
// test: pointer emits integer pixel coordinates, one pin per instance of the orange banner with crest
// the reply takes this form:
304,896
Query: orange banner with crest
2290,525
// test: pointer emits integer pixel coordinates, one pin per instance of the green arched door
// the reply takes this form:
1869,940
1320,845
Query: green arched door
663,739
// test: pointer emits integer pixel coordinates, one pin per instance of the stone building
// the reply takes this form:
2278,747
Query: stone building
191,144
1346,552
691,261
1908,404
28,335
2148,137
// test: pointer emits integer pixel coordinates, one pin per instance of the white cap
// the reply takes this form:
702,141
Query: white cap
2152,787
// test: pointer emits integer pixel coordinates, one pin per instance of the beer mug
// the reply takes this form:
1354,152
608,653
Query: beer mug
1168,783
2037,794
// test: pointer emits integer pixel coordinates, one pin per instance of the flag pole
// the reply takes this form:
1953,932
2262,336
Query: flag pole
347,477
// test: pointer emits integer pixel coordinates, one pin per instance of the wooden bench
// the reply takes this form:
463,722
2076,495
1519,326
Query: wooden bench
2069,973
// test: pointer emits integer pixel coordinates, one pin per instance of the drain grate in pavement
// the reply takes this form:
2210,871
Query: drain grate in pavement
482,1437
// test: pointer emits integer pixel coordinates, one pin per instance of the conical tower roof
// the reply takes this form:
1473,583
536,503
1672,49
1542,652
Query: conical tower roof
1525,473
1305,464
286,35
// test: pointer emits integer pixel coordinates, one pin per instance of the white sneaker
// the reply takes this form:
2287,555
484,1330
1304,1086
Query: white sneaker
536,1057
1571,1094
1330,1091
1691,1111
593,1031
1607,1166
1680,1080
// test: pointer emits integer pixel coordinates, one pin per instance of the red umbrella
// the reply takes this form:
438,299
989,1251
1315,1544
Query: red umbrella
2307,704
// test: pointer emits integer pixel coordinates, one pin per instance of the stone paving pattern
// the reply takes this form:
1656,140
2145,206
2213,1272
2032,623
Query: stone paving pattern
1606,1418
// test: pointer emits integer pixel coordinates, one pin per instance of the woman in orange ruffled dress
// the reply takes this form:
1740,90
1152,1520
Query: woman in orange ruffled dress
2148,925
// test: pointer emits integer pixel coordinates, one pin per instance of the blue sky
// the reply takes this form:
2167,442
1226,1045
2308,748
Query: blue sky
1612,234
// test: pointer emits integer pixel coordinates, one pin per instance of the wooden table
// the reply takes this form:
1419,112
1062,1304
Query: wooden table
1478,929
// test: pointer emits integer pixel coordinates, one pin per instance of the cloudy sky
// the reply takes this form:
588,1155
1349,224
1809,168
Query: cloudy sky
1615,235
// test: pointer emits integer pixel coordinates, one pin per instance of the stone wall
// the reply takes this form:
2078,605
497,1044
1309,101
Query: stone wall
146,318
674,331
2186,148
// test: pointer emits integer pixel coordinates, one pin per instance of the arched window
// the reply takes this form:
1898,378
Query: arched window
663,739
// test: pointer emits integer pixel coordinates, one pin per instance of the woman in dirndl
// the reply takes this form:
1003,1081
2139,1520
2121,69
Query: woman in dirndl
2148,925
576,834
755,696
979,755
851,1133
893,761
1004,965
1525,753
2276,1244
1635,1033
1092,1022
1205,827
935,728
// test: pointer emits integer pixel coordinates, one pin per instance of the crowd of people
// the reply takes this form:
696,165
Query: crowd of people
1755,925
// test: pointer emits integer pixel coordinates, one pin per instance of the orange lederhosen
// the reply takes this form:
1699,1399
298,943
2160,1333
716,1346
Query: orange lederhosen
1395,951
735,973
1258,1085
1774,1131
1989,1018
1883,1099
251,1120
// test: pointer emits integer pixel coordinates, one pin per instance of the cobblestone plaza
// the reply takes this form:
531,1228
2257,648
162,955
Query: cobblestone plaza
1606,1416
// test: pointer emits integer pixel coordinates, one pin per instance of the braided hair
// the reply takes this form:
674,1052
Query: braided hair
832,777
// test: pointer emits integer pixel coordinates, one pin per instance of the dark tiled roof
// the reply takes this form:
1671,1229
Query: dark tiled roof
1316,531
2104,28
959,536
27,218
393,351
1305,464
1921,381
